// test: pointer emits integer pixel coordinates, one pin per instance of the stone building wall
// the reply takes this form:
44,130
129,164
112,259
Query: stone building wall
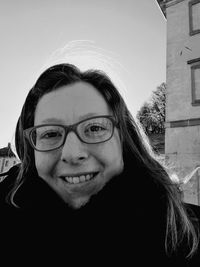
182,136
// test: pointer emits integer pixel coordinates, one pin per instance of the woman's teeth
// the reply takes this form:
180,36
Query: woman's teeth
79,179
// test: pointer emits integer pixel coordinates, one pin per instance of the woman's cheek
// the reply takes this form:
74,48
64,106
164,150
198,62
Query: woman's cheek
109,155
45,163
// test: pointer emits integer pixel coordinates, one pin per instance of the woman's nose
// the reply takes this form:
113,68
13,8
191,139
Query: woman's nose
73,150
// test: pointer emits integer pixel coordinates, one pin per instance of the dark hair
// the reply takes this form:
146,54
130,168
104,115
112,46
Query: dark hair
135,146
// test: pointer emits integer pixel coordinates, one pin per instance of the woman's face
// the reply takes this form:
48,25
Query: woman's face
68,105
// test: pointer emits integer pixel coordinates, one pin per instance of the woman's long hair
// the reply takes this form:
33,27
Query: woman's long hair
178,225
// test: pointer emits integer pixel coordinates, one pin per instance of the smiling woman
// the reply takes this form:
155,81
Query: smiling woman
86,166
85,148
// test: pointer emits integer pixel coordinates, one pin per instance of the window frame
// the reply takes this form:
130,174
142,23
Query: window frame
194,64
191,29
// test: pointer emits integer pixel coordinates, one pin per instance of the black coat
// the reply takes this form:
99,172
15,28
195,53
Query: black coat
122,225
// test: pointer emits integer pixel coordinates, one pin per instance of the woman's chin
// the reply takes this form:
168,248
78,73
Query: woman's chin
77,203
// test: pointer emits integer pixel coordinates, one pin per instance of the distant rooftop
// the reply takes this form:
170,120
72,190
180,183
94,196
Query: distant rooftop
7,152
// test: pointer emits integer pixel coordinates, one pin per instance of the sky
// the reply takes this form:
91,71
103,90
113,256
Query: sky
125,38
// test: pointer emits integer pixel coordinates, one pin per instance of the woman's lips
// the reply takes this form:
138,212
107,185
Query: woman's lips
79,179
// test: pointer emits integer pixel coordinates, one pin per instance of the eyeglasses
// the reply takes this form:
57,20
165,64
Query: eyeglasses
49,137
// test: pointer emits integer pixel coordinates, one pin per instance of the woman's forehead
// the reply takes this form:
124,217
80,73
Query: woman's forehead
71,103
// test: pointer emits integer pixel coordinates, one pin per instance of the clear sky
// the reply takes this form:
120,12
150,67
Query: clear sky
127,38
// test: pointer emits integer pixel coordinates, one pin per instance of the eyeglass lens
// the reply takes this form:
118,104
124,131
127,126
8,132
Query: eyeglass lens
94,130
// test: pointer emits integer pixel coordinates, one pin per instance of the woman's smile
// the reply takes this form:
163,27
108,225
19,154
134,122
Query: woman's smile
77,179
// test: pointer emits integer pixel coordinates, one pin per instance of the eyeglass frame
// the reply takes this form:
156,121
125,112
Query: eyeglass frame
68,128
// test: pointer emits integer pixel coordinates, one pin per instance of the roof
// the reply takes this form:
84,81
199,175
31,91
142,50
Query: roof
162,5
7,152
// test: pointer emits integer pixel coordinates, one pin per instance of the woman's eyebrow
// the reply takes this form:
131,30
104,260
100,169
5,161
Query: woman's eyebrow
82,117
90,115
52,120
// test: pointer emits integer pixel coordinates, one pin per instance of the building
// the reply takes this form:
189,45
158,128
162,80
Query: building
7,159
182,135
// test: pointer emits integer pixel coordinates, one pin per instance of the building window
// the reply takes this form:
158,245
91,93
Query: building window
194,16
195,80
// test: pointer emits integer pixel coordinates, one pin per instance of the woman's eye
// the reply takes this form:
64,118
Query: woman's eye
96,128
50,135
